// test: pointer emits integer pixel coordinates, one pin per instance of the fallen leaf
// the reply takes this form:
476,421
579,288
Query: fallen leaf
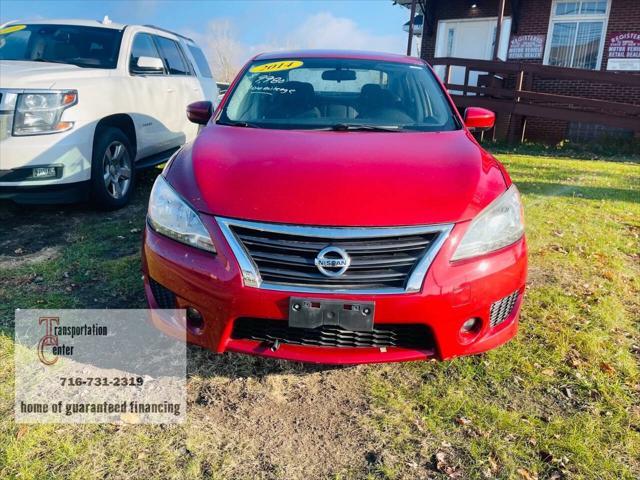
463,421
607,368
493,464
443,466
526,475
22,430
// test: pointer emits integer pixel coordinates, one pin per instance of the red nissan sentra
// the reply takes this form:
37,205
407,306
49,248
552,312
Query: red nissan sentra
336,209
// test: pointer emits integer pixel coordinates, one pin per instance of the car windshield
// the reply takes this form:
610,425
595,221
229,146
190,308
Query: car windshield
93,47
339,94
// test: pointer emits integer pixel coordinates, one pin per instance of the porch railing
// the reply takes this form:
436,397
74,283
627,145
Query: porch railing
518,89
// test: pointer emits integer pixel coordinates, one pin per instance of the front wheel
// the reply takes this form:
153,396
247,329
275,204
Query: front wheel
112,175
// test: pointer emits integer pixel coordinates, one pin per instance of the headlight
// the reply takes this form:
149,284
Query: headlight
498,225
170,215
38,113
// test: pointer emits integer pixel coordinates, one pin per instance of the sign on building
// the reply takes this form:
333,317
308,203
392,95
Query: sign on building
529,47
624,51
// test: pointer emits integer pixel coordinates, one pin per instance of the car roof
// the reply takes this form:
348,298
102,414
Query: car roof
353,54
78,22
95,23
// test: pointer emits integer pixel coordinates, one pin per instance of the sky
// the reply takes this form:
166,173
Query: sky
247,26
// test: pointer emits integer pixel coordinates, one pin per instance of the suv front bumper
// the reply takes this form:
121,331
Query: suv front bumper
452,293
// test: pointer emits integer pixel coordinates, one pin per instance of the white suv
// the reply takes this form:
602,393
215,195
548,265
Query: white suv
83,104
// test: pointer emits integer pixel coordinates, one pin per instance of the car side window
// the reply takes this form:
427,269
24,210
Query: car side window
201,61
143,46
172,56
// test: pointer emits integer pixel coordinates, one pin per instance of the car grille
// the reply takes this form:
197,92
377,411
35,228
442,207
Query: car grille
164,297
6,114
382,260
501,309
413,336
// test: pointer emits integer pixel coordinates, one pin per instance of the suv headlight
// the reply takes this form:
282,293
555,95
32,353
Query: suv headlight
38,113
171,216
500,224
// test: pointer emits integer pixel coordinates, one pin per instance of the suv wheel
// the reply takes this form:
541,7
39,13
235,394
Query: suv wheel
112,174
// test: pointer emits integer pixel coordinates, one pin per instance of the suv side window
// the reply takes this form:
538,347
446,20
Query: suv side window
201,61
143,46
173,58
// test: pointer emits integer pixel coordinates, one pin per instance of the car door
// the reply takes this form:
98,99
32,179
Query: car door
179,91
146,98
207,88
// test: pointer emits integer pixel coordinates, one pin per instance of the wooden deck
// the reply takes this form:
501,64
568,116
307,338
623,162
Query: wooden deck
514,88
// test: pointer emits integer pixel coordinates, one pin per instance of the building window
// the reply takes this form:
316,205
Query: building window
576,34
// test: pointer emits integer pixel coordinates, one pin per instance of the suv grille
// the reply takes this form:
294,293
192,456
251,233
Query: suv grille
381,260
501,309
413,336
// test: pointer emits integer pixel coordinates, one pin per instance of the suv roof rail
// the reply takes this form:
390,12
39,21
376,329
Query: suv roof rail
169,31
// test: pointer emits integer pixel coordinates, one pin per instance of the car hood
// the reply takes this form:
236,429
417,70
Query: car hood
337,178
22,74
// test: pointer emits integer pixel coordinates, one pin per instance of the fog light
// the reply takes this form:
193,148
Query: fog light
195,322
471,326
43,172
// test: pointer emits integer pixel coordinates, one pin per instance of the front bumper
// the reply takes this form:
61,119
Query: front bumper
451,294
47,194
69,151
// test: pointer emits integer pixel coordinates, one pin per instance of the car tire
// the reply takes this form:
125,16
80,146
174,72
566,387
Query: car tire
112,171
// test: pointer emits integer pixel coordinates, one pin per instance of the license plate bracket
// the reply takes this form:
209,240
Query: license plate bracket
314,313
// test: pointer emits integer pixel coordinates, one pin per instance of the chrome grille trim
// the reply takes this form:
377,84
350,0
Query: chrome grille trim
8,98
251,273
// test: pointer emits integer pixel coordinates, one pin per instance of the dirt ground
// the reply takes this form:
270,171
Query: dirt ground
246,415
559,401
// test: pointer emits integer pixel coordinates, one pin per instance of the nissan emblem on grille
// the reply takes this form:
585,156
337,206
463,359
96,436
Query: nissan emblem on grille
332,261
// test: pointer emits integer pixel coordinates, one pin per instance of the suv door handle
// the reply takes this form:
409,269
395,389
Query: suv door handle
170,90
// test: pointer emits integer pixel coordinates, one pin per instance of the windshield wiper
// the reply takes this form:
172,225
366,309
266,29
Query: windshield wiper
353,127
239,124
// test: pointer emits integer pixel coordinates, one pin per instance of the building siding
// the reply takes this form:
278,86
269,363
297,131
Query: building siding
624,16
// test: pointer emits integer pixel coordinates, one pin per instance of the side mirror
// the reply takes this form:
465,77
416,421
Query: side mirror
200,112
149,65
479,118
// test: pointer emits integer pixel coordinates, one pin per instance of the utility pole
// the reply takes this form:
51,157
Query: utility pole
413,14
496,47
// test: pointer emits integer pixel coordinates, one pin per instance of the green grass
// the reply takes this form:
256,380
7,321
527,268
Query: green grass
564,395
613,148
562,400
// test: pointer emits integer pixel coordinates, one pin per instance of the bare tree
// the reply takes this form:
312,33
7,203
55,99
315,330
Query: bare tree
223,50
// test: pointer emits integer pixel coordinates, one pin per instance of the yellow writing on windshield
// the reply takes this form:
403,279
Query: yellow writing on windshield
11,29
276,66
